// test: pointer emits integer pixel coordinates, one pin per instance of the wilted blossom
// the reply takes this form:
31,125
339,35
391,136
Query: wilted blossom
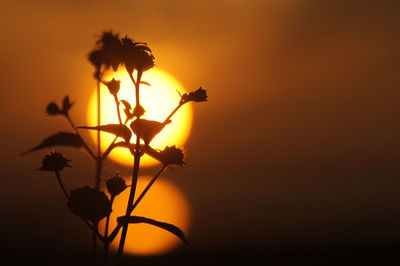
116,185
54,162
53,109
108,53
199,95
136,55
89,204
171,156
113,86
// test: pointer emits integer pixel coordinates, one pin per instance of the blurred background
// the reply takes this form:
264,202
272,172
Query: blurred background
294,160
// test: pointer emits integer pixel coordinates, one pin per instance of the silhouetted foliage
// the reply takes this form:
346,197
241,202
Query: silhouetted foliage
166,226
59,139
89,204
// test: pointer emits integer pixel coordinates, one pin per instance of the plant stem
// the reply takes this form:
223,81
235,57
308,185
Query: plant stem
99,160
98,163
173,112
61,184
118,111
85,146
106,243
135,174
147,188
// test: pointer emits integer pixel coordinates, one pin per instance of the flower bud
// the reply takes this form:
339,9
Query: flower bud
53,109
172,156
113,86
199,95
116,185
54,162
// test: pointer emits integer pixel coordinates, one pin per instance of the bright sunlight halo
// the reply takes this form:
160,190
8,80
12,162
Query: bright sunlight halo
159,100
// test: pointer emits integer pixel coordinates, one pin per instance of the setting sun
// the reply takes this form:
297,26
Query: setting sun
159,100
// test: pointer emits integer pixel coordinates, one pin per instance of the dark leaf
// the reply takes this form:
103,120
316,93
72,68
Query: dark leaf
89,204
147,129
116,129
59,139
166,226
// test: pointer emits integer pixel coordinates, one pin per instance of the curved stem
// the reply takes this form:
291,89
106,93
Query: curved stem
61,184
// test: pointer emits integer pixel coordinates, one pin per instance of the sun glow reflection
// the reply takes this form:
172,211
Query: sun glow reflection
163,202
158,100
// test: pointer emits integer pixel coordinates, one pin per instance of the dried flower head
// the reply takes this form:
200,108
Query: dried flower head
107,53
172,156
136,55
54,162
53,109
89,204
199,95
113,86
116,185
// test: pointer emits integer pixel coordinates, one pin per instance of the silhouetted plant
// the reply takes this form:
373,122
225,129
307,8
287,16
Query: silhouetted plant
89,203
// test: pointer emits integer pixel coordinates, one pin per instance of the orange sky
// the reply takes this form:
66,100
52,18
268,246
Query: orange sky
299,139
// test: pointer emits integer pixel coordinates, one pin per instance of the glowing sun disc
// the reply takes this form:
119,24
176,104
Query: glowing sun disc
159,100
164,202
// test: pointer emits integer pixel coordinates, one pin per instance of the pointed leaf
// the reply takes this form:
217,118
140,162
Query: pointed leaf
147,129
59,139
166,226
116,129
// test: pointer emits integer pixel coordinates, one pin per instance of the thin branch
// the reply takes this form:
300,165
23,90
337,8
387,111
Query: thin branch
147,188
61,184
106,243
